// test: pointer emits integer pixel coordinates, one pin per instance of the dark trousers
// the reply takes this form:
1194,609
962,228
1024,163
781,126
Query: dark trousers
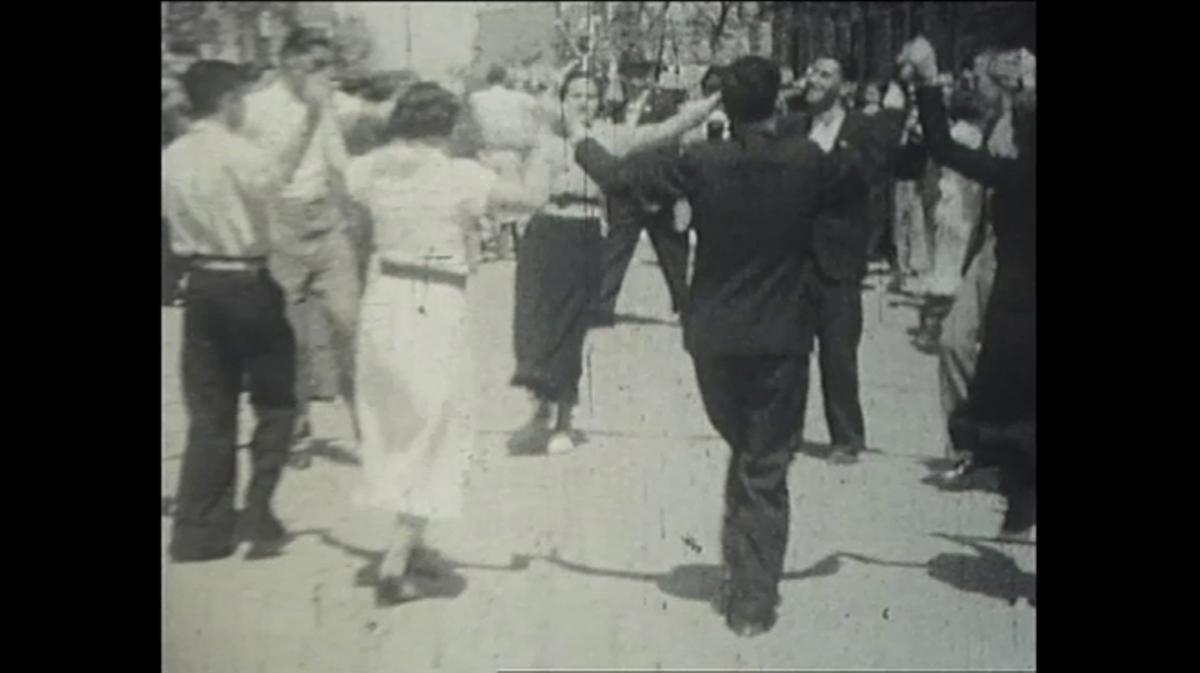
1003,393
879,209
839,332
558,267
756,403
670,246
234,326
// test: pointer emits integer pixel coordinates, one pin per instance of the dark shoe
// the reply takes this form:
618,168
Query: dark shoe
1021,515
266,534
844,455
203,555
300,460
601,319
961,477
392,591
531,438
750,618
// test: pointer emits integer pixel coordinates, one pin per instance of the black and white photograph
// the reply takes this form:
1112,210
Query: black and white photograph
624,336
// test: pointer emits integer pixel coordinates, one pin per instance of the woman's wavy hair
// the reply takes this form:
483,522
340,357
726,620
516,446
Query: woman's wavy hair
425,110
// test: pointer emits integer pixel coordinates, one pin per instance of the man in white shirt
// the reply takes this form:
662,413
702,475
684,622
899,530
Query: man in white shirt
217,189
313,257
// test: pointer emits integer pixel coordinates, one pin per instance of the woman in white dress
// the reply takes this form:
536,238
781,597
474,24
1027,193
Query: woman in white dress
413,357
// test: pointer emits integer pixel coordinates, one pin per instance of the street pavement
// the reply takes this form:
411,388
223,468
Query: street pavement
607,557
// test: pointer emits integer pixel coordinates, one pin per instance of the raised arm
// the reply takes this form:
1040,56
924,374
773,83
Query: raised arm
690,115
655,177
975,164
918,59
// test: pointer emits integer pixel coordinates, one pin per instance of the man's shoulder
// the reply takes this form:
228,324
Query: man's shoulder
795,123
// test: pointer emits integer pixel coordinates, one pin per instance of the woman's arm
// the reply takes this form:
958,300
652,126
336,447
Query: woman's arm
651,177
690,115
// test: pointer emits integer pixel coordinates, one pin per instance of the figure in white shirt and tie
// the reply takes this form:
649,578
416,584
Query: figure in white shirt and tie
856,147
313,256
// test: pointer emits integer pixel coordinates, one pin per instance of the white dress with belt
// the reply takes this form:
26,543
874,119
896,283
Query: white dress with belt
413,361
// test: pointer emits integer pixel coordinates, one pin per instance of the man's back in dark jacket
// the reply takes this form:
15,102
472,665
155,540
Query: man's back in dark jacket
754,200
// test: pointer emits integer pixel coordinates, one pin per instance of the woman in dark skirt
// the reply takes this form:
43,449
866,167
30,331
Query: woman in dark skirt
559,258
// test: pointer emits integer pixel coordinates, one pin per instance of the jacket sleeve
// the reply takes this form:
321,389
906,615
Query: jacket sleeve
602,166
653,177
977,165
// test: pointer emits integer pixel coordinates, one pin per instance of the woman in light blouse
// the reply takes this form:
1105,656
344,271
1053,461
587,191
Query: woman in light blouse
559,259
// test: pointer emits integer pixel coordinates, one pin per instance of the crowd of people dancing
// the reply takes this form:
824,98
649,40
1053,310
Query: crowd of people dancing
779,203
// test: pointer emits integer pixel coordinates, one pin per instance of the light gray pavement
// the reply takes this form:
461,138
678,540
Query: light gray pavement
605,557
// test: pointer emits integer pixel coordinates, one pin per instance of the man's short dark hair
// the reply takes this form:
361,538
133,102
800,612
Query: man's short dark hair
496,74
425,110
749,89
208,82
841,64
304,40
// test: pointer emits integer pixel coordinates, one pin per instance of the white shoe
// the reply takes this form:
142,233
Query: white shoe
560,442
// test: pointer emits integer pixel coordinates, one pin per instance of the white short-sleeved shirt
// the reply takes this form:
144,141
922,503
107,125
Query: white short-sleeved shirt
216,189
421,201
273,116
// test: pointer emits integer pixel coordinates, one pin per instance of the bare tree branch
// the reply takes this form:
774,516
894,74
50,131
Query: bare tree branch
714,39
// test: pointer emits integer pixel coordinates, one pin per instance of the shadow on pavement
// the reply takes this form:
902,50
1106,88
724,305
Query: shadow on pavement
823,451
435,575
989,572
689,582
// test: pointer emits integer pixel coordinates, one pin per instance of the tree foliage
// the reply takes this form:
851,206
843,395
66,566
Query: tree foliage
654,32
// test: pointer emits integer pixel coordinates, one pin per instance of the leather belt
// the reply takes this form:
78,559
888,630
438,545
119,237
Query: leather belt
431,274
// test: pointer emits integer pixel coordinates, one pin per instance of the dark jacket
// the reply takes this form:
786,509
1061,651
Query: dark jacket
754,201
630,207
859,159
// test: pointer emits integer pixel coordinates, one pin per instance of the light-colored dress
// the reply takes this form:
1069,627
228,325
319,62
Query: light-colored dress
414,365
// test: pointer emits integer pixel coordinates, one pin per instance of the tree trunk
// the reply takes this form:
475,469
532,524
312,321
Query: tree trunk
714,40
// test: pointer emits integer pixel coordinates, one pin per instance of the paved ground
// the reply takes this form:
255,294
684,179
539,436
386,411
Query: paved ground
607,557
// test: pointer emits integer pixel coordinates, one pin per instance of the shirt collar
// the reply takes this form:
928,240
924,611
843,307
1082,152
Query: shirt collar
836,117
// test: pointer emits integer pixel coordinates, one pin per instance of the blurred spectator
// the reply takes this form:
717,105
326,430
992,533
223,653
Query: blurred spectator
880,202
909,229
507,123
870,98
956,216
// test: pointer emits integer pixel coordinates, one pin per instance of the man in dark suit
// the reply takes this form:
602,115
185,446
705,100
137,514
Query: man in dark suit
858,146
748,325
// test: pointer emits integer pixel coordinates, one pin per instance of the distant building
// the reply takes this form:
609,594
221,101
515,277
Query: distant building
870,34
